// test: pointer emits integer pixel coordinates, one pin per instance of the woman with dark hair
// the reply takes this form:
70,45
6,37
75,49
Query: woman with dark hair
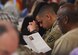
28,19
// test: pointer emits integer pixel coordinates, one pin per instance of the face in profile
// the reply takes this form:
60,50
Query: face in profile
43,22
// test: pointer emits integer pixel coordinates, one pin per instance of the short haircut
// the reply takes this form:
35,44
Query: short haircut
44,9
37,8
69,10
55,6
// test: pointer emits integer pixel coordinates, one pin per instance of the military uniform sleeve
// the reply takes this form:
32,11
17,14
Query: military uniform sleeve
52,36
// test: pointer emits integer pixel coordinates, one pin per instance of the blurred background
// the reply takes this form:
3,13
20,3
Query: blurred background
21,8
24,6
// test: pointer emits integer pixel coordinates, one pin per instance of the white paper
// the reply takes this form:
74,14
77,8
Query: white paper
36,43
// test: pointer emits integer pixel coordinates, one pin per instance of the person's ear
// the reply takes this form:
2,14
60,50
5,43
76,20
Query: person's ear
48,16
65,20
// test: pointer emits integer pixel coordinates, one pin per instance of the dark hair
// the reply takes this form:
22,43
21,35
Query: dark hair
26,21
37,9
24,30
52,8
55,7
71,11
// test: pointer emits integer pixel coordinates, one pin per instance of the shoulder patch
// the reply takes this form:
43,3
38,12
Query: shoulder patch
50,39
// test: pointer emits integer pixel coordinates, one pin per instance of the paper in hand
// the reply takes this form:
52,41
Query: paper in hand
36,43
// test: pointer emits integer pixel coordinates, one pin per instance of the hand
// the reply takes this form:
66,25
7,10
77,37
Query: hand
32,26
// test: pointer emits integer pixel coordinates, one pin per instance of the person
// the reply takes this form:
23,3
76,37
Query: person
74,52
8,36
46,18
68,23
10,8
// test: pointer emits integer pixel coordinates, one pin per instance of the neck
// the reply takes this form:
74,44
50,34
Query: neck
53,21
71,27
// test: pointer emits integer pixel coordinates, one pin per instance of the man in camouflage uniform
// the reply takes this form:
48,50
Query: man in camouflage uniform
52,34
46,18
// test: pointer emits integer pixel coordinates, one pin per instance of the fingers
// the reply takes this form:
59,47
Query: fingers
32,26
34,21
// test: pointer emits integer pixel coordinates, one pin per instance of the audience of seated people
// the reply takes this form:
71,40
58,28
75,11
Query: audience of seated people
58,29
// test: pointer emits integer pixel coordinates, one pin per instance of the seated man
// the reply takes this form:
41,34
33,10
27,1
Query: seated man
46,18
68,23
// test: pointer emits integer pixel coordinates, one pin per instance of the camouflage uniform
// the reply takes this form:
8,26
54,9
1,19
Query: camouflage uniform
22,50
52,35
